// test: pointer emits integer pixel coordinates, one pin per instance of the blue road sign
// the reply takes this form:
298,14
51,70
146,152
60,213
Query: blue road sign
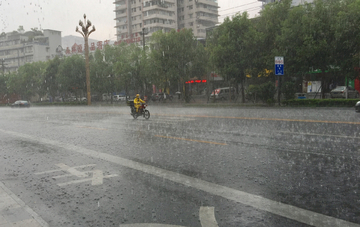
279,70
279,66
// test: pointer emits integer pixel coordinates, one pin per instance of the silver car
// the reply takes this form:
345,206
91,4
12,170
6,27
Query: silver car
340,92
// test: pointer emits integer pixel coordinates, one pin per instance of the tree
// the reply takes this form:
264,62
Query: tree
21,29
27,81
176,57
347,37
49,84
71,77
232,51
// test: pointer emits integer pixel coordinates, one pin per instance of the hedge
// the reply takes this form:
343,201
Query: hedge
321,102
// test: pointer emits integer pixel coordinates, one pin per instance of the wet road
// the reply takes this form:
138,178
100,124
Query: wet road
194,167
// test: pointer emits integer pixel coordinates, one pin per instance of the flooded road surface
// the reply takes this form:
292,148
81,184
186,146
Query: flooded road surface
194,167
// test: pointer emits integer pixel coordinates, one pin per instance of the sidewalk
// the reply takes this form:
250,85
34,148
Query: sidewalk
15,213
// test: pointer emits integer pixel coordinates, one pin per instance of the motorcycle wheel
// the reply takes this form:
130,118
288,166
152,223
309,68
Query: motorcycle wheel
146,114
135,115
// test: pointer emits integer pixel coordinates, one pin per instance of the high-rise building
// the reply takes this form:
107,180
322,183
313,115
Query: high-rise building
136,16
17,49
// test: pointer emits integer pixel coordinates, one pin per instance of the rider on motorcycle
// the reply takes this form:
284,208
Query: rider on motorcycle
137,102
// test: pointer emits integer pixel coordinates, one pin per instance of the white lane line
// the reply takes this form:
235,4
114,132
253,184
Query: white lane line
258,202
315,134
207,217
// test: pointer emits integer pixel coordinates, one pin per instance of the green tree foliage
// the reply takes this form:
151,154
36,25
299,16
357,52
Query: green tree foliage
232,48
49,84
27,81
72,75
288,90
175,57
102,78
347,37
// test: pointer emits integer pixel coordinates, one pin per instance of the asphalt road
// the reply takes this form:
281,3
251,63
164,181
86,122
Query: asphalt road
193,167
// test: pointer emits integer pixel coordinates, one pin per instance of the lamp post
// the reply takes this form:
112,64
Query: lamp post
85,33
143,33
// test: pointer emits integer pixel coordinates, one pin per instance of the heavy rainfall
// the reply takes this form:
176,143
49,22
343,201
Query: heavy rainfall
184,121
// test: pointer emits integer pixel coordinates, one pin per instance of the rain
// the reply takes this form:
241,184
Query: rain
166,128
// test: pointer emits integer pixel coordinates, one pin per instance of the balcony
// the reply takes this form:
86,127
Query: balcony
206,18
207,2
206,10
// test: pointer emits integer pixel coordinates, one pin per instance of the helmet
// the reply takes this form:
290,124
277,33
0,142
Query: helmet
137,95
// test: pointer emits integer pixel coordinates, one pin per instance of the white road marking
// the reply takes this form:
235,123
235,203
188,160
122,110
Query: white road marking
58,170
207,217
71,170
97,175
97,178
258,202
85,180
315,134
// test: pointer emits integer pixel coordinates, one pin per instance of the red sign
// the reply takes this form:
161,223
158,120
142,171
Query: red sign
100,45
195,81
79,48
92,47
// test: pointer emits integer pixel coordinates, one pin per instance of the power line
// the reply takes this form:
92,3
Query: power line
247,10
237,6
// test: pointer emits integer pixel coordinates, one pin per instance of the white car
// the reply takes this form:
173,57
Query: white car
119,98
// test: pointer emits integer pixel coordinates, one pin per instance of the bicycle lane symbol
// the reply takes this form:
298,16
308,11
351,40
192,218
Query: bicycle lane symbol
85,176
206,216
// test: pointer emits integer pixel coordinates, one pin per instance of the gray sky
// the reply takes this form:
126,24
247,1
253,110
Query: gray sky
64,15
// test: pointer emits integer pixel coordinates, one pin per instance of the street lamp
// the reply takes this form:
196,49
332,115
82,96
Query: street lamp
85,33
143,33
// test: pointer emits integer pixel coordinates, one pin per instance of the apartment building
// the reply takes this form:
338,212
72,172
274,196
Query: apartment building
17,49
133,17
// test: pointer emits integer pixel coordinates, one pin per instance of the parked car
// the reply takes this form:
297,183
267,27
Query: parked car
21,103
70,99
357,107
223,93
340,92
119,98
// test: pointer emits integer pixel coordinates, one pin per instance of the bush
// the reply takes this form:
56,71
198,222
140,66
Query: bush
267,92
288,90
321,102
252,92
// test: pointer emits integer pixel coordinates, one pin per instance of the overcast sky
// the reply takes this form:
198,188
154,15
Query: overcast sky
64,15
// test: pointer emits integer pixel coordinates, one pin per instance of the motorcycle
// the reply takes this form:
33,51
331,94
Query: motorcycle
142,110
